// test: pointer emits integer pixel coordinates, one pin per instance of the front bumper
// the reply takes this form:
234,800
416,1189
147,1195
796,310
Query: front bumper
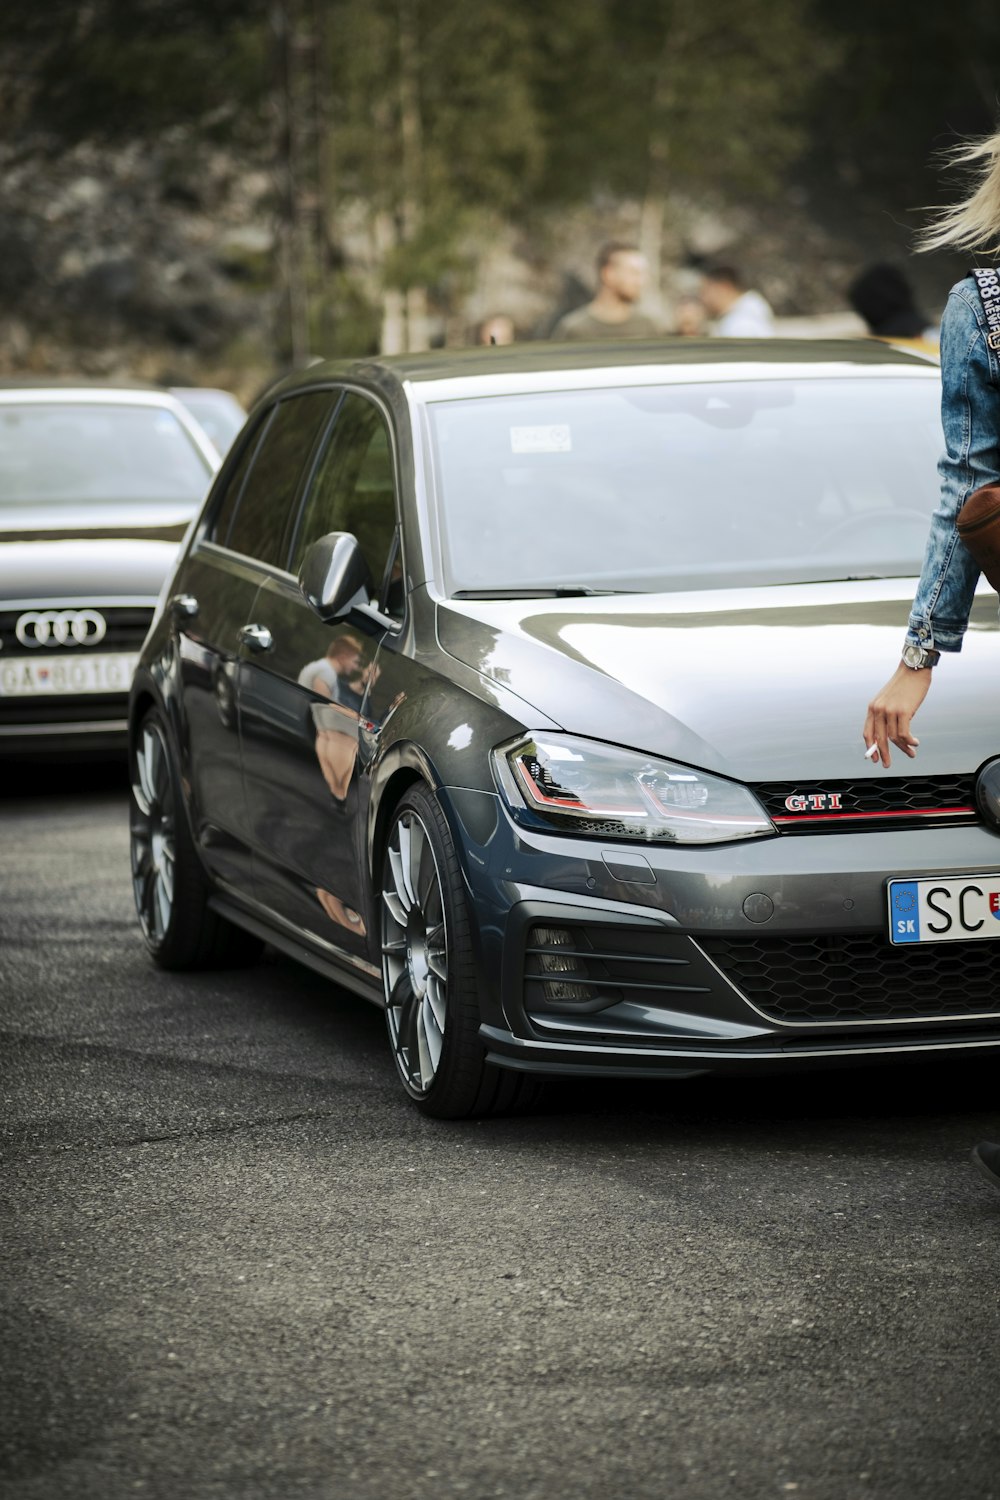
69,738
658,939
689,1060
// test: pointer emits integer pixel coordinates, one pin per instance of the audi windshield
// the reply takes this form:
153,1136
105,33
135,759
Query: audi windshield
70,454
694,486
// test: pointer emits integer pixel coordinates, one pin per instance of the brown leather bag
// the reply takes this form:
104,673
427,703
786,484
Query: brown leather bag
979,528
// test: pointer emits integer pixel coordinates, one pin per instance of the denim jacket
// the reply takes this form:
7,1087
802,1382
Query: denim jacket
970,416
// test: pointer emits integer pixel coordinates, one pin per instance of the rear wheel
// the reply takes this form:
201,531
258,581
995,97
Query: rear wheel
429,972
170,888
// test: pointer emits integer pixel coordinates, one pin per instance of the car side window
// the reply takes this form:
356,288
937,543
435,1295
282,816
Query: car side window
353,489
231,484
260,525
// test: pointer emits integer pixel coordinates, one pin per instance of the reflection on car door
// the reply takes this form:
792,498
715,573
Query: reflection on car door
302,701
247,536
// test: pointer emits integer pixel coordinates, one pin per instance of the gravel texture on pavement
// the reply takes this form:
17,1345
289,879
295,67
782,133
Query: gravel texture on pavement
237,1263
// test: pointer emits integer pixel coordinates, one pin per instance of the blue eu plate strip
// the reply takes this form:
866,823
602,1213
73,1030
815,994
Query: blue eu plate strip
904,909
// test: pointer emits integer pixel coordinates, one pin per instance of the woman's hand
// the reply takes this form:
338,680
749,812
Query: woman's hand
890,712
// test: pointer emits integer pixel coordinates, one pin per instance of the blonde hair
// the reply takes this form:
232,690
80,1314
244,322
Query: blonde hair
973,224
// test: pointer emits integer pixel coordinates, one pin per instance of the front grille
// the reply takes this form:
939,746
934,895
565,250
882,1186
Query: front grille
90,708
817,979
126,630
580,970
843,806
127,626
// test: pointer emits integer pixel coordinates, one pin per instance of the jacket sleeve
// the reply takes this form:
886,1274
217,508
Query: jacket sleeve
970,417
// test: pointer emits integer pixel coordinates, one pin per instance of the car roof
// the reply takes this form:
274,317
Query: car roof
119,395
503,369
59,383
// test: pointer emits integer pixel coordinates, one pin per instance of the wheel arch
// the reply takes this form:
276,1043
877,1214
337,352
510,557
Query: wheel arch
142,700
403,765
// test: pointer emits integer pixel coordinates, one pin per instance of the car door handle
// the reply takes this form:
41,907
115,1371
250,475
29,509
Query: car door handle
257,637
184,606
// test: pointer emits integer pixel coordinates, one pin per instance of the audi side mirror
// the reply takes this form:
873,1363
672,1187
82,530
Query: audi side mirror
334,576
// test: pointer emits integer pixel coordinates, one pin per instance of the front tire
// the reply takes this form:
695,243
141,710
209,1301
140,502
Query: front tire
429,972
169,885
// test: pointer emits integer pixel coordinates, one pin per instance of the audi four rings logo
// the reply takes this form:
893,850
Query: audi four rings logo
61,627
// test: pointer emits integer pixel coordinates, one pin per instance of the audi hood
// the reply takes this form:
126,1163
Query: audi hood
66,570
758,684
163,522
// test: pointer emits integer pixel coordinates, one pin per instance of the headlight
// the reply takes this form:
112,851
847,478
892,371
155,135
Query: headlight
581,786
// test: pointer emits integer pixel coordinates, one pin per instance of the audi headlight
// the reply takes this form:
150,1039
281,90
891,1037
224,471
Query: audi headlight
581,786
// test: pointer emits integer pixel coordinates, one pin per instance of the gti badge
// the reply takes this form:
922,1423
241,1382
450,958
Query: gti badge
808,802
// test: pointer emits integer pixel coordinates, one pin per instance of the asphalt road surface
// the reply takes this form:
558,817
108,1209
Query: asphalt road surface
236,1262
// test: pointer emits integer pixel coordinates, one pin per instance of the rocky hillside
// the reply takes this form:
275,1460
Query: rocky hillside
163,262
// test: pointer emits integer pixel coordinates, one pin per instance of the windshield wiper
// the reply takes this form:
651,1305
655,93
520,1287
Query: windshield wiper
569,591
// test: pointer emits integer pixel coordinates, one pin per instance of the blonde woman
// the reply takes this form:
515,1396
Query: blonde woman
970,416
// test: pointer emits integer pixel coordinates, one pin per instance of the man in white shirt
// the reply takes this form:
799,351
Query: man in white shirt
737,313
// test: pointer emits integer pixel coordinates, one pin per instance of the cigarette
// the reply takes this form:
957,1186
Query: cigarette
871,753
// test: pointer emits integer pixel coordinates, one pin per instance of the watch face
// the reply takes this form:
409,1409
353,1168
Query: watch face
912,656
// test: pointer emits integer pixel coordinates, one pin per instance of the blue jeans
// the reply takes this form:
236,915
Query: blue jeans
970,417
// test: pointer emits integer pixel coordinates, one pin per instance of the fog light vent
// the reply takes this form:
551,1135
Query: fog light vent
544,945
551,937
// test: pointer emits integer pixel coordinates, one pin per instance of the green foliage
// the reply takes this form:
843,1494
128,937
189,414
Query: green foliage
432,120
343,320
698,93
912,80
428,121
128,68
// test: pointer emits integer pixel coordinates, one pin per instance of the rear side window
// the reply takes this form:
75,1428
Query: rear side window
231,484
260,525
353,488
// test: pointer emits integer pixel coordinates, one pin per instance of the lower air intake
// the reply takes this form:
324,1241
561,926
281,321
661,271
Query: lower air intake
822,979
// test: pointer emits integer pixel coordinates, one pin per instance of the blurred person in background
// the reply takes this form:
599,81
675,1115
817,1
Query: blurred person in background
737,312
613,313
883,296
498,328
689,318
970,418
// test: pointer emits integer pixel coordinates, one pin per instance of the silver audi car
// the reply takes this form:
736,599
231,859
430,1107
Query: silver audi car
98,484
521,691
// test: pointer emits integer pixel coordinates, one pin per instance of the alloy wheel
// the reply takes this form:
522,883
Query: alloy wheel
414,953
153,841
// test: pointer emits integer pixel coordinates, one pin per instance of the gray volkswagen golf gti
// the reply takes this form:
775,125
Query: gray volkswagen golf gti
519,691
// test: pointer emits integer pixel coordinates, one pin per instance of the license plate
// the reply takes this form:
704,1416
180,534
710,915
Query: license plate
28,677
958,909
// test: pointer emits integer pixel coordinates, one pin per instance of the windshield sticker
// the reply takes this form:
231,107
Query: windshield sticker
553,439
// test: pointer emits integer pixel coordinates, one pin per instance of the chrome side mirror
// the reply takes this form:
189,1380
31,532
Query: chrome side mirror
334,576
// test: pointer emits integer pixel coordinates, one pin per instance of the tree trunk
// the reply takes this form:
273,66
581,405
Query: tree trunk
662,106
392,339
411,142
417,326
288,165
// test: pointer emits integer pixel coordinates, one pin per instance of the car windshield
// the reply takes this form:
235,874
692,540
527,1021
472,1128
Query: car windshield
671,487
68,453
218,414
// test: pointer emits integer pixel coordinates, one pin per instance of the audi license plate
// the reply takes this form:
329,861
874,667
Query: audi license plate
957,909
26,677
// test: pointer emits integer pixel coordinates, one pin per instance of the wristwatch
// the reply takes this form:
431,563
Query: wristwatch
916,657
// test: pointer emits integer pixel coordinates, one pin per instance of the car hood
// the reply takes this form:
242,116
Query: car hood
96,521
758,684
84,569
